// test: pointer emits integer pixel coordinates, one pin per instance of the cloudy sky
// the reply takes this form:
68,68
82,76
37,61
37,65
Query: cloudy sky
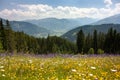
38,9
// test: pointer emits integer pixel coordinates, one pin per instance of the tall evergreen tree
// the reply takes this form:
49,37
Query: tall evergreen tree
88,43
10,41
117,43
114,46
80,41
101,40
108,41
1,35
49,44
95,43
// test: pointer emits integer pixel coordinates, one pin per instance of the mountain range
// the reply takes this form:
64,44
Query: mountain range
29,28
61,26
51,26
54,26
101,26
112,19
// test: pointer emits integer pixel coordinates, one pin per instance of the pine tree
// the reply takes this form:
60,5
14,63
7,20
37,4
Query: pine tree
114,46
88,43
2,35
101,40
49,44
80,41
95,43
9,34
109,41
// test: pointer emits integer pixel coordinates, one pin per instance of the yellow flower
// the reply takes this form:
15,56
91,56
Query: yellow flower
93,67
2,70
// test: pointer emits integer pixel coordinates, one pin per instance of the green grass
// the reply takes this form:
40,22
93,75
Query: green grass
58,68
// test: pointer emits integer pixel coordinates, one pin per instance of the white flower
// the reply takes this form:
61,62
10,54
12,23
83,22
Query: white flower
3,75
113,70
2,70
91,74
30,61
1,67
74,70
93,67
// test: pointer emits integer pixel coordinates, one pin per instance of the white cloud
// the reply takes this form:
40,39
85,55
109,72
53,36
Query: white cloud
117,9
108,3
43,11
39,7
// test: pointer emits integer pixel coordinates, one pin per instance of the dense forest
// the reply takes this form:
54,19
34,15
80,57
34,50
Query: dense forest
98,43
11,41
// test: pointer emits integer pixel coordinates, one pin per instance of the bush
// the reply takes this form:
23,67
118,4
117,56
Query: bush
91,51
100,51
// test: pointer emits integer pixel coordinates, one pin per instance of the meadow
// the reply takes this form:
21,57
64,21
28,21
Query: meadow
78,67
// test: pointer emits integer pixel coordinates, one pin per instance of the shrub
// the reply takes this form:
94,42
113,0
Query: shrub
100,51
91,51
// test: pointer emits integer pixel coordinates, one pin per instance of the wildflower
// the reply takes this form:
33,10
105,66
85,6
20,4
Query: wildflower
82,74
79,64
93,67
113,70
21,60
73,70
30,61
2,70
1,67
3,75
90,74
96,78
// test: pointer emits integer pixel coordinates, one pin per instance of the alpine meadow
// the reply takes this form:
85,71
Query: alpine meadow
60,40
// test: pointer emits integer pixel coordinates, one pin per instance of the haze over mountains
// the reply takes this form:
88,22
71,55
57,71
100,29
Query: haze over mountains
54,26
61,26
112,19
51,26
29,28
101,26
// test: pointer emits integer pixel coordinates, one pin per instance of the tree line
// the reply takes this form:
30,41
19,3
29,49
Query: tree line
98,43
11,41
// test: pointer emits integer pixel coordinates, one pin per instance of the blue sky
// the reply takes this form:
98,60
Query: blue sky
77,3
36,9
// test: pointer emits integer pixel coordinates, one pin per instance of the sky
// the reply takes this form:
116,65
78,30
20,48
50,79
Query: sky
38,9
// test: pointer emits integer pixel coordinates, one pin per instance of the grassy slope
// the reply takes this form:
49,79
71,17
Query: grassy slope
59,68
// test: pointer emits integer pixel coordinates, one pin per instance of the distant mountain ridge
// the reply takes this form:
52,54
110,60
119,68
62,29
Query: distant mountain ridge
51,26
28,28
101,26
72,34
61,26
115,19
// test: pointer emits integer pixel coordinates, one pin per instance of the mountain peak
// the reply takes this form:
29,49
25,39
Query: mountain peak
115,19
101,26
